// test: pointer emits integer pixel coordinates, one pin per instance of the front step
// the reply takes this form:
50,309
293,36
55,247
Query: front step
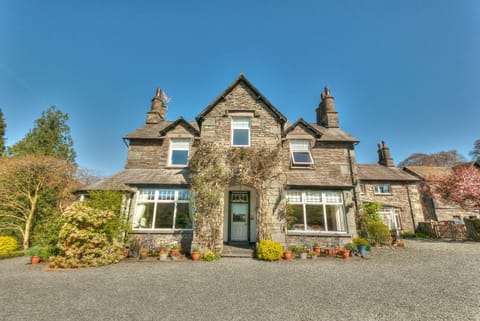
238,250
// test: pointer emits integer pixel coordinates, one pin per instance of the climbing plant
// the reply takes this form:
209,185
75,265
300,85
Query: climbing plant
212,169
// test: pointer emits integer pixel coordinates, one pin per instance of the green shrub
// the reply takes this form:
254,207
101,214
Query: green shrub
8,244
351,246
407,235
269,250
359,241
83,240
379,233
209,256
11,254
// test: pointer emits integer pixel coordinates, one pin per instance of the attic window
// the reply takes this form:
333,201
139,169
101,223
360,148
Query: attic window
300,150
240,132
179,149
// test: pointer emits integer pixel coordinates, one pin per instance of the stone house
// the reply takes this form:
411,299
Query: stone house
310,198
395,189
434,209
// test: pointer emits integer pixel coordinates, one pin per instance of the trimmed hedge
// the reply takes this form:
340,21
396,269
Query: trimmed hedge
269,250
8,244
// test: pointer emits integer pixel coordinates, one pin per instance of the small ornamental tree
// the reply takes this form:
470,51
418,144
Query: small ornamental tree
84,239
461,188
369,213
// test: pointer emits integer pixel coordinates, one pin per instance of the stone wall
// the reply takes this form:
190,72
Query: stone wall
403,196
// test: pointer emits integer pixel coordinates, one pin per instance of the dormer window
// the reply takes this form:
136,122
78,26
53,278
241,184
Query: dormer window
301,155
241,132
179,149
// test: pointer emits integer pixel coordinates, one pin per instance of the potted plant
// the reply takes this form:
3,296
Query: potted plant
175,250
362,245
287,254
195,253
303,253
134,247
144,253
35,253
352,247
316,248
162,254
345,253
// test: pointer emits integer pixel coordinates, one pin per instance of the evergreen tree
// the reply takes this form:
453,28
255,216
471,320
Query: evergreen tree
3,126
49,137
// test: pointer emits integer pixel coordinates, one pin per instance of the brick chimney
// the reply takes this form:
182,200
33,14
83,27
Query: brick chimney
384,157
158,109
327,116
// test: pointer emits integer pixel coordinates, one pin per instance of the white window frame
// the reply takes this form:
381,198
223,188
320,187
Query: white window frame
326,198
377,189
300,146
391,216
239,125
172,147
153,197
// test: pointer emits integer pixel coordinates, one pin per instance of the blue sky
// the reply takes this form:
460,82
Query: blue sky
407,72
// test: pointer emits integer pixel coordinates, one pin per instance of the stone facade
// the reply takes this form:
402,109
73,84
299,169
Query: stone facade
332,170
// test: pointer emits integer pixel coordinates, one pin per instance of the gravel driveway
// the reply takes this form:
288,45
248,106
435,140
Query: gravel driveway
428,280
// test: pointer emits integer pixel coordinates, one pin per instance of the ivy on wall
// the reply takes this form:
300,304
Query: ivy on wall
213,169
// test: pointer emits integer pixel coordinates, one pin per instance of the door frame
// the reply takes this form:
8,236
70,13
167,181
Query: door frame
230,193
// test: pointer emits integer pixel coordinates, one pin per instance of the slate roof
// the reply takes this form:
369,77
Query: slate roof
241,78
376,172
326,134
428,172
138,176
152,131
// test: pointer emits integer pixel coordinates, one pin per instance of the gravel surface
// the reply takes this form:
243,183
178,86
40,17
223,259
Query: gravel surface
428,280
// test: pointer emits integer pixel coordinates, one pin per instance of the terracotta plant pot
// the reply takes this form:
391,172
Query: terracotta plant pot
195,256
345,254
35,259
287,255
316,249
174,252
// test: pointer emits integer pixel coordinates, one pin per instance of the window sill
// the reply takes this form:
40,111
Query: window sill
383,194
312,233
302,167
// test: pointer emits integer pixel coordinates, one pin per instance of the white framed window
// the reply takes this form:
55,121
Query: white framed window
162,209
316,211
241,132
382,189
179,150
300,152
391,217
362,188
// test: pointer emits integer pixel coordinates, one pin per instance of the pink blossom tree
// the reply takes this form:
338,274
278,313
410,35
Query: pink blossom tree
461,187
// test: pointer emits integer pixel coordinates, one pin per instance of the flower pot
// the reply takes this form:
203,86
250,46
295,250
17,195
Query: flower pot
174,252
195,256
362,249
345,254
163,256
316,249
287,255
303,255
35,259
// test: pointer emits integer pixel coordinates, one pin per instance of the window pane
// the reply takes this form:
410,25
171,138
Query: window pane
382,188
294,197
183,216
241,137
179,157
335,218
183,195
164,217
315,219
143,215
302,157
313,197
166,195
296,216
299,145
147,195
240,123
333,198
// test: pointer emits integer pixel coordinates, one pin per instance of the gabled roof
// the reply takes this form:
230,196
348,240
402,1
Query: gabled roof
153,131
377,172
242,79
305,125
429,172
180,121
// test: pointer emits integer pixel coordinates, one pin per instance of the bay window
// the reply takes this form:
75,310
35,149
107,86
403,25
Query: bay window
316,211
162,209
